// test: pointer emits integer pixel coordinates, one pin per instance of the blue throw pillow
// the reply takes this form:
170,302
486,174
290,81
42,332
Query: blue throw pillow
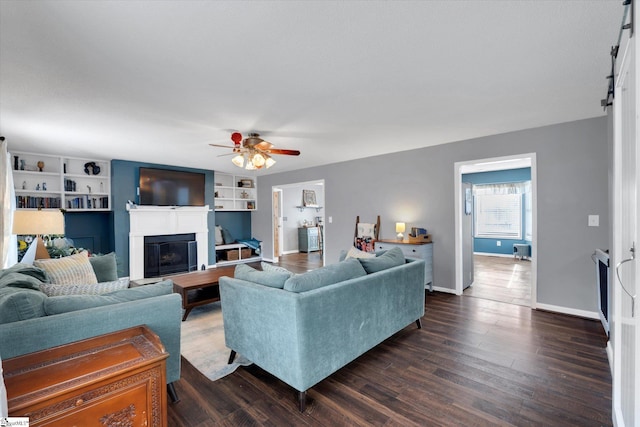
20,304
327,275
273,279
391,258
105,267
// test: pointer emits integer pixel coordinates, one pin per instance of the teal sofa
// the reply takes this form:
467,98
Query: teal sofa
32,321
309,329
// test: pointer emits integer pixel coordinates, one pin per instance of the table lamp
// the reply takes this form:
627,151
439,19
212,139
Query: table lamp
400,227
37,223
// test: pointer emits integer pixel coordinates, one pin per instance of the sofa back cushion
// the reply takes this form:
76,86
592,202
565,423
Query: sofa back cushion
327,275
68,270
105,267
391,258
273,279
20,304
63,304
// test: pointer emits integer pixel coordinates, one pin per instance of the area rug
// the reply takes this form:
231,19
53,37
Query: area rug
202,343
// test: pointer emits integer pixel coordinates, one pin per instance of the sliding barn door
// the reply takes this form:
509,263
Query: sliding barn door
625,268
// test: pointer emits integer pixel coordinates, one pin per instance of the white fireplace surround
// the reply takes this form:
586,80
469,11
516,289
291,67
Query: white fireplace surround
165,220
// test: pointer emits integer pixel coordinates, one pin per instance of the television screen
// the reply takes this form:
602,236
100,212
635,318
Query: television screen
164,187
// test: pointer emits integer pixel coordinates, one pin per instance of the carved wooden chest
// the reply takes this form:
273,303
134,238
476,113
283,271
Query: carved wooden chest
117,379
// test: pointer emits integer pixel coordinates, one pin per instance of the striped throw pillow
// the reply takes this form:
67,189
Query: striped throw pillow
69,270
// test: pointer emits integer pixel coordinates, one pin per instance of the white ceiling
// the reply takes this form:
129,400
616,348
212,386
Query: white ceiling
157,81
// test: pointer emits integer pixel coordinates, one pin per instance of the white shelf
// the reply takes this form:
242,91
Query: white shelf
66,183
231,194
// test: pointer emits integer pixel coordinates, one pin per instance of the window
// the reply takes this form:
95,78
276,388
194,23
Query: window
498,216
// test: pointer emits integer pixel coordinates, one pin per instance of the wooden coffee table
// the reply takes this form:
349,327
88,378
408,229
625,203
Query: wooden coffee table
199,287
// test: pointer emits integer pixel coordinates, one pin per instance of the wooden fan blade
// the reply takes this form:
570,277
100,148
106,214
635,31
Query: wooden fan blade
282,151
223,146
233,153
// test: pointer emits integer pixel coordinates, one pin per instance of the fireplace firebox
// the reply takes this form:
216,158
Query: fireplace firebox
168,254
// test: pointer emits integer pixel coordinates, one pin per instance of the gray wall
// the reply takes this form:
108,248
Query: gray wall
417,187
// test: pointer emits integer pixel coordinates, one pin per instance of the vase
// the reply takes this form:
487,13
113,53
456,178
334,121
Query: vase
15,162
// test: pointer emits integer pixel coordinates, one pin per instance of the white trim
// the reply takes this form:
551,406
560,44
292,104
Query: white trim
492,254
445,290
570,311
466,165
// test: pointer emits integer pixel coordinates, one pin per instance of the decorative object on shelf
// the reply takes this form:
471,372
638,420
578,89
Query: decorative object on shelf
44,186
37,223
309,198
91,168
400,227
89,189
16,163
101,187
37,187
244,195
40,165
64,168
24,185
251,205
22,164
254,152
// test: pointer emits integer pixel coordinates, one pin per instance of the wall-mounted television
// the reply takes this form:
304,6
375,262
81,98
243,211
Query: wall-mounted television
165,187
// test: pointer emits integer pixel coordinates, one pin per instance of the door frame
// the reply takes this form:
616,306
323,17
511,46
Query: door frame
458,167
282,188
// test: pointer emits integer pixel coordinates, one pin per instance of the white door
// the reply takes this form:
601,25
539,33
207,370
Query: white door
626,238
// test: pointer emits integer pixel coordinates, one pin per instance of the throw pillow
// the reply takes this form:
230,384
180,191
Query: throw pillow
54,290
227,237
105,267
219,239
68,270
327,275
270,267
357,253
391,258
273,279
63,304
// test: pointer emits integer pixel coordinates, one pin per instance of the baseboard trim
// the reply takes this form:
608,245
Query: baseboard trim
610,356
446,290
493,254
570,311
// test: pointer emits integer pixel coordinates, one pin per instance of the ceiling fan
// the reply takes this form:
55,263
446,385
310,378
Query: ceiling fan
253,152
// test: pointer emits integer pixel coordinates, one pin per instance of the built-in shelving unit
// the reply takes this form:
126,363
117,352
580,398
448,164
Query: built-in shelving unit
48,181
235,192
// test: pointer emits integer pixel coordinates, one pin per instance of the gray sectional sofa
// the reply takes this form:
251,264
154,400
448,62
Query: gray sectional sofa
307,326
32,321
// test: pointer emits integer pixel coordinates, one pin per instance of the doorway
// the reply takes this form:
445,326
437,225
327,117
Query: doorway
495,273
298,222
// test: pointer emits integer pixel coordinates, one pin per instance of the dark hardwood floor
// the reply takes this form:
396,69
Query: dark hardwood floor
475,362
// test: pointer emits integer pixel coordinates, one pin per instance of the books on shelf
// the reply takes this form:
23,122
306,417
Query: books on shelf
35,202
88,202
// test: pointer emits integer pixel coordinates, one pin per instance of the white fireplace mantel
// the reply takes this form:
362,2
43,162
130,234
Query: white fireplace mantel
162,220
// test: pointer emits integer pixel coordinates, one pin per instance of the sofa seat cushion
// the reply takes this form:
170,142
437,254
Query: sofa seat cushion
20,304
391,258
63,304
68,270
105,267
54,290
273,279
327,275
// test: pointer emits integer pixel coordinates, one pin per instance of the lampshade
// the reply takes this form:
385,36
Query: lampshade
238,160
258,160
270,162
400,227
38,222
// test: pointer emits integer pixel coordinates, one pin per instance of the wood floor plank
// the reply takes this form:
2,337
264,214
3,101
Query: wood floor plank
475,362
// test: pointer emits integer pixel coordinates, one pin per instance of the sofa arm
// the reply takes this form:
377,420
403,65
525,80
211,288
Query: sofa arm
163,314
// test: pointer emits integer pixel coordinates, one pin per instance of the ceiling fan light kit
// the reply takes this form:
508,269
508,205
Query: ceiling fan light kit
254,152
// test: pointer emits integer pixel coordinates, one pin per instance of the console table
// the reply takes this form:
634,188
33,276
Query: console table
419,250
112,379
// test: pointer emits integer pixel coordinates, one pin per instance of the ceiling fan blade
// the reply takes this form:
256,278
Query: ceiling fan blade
223,146
227,154
283,151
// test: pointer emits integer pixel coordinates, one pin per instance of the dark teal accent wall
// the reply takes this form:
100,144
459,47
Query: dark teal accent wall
498,177
90,230
124,184
236,223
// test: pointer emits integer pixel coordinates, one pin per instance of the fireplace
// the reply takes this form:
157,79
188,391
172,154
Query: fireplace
167,254
146,221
